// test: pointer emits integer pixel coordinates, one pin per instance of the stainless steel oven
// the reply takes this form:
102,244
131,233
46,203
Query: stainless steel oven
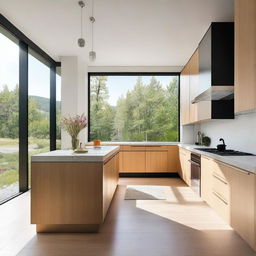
195,161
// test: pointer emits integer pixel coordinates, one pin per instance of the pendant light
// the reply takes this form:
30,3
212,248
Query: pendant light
81,41
92,53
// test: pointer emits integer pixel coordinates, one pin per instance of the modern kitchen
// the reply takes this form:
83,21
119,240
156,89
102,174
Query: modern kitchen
128,143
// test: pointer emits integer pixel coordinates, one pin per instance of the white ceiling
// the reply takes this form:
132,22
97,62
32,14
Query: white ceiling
127,32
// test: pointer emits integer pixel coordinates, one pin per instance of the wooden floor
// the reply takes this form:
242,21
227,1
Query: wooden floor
182,225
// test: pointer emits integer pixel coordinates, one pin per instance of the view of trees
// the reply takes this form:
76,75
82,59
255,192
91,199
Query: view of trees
9,132
147,112
38,115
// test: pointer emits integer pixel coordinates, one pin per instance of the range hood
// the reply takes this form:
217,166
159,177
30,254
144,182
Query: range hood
216,65
215,93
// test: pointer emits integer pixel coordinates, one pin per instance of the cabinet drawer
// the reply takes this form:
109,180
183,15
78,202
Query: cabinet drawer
221,206
220,170
221,186
156,148
185,153
133,148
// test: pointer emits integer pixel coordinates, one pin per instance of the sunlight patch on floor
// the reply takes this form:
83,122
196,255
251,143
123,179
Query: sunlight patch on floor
184,207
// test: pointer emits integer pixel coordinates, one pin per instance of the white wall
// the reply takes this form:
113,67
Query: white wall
239,134
73,93
135,68
188,134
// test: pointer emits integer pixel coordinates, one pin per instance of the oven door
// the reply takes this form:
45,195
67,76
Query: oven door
196,177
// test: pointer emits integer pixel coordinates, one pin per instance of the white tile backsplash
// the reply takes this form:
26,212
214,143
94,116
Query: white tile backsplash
239,134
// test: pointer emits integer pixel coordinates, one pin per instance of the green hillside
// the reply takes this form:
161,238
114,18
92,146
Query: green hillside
44,103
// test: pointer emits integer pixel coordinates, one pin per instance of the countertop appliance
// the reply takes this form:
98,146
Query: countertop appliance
227,152
195,161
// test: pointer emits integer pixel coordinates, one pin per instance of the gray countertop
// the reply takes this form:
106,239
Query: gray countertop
142,143
93,155
247,163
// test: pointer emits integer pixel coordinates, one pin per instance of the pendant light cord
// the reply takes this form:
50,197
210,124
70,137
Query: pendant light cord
92,21
81,21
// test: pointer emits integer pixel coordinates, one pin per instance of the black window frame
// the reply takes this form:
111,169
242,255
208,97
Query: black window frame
131,74
25,44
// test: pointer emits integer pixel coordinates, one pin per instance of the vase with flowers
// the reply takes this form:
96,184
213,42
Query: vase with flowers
73,126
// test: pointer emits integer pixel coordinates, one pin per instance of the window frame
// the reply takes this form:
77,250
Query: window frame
25,44
130,74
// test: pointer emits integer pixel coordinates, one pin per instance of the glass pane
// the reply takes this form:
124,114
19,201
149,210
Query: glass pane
39,107
134,108
58,110
9,117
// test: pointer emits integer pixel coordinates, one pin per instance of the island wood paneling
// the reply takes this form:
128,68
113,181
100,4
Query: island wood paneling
110,179
61,193
72,196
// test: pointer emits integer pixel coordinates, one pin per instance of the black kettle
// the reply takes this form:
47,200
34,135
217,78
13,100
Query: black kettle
221,147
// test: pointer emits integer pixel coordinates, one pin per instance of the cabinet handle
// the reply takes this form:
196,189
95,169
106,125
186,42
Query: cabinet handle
194,163
219,178
134,151
220,197
152,150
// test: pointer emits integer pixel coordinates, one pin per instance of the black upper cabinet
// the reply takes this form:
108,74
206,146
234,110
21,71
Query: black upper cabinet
216,56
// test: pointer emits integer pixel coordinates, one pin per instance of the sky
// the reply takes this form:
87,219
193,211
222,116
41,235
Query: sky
39,73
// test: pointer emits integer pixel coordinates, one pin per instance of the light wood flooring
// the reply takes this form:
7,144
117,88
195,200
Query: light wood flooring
182,225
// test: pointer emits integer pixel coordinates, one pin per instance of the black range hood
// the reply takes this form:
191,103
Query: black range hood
216,70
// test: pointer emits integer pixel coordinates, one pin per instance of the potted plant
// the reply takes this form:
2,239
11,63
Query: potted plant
73,126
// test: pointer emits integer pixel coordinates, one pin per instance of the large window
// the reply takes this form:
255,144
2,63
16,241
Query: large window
29,103
9,115
134,107
38,106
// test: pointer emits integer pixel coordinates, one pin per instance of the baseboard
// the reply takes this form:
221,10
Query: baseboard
67,228
149,175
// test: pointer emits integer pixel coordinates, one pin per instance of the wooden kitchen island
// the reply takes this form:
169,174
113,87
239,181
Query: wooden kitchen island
72,192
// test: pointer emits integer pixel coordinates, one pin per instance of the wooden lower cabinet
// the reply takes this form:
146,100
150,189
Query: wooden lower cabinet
157,161
206,180
215,186
185,169
149,159
243,196
231,192
133,161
